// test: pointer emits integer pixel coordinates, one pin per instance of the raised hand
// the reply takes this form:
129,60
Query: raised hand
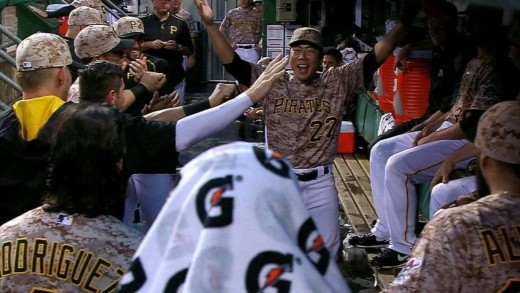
205,12
266,80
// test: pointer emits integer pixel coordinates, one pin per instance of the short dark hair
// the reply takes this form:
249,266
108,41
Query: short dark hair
85,162
334,53
99,78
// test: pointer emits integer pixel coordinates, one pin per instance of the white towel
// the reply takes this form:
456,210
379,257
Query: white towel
235,223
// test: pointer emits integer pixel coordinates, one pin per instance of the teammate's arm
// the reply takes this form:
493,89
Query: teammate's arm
240,69
387,45
443,173
195,128
219,42
222,93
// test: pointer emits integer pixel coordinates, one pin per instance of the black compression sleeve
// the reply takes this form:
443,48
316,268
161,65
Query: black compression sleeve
370,66
469,123
240,69
196,107
139,91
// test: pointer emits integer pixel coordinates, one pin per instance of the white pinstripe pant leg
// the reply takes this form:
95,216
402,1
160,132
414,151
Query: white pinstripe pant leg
321,198
444,193
412,166
379,156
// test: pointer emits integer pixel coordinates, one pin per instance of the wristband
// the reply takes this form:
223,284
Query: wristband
196,107
139,91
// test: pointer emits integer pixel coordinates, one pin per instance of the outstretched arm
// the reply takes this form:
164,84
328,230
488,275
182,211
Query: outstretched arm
219,42
200,126
222,93
387,45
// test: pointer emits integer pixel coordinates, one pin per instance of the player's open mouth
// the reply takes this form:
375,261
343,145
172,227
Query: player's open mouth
303,68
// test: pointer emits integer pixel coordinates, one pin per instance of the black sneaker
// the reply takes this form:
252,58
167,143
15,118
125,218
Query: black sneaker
368,240
390,259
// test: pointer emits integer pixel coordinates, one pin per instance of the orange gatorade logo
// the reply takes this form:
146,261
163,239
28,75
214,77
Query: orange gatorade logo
272,162
312,244
214,203
266,270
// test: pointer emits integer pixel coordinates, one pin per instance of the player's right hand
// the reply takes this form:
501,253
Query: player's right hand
205,12
266,80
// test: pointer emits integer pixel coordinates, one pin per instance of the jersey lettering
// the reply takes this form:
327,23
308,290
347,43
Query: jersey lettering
43,290
38,256
512,286
173,29
301,106
244,24
498,247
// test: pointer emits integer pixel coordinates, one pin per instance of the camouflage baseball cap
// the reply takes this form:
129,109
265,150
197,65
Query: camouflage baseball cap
498,132
87,3
306,35
85,16
95,40
129,27
42,50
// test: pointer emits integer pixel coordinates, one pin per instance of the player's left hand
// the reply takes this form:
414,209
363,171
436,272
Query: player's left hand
170,45
443,173
161,102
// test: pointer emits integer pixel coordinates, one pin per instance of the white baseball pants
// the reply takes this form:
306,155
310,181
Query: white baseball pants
395,167
444,193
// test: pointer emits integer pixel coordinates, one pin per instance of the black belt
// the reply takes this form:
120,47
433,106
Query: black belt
311,175
246,47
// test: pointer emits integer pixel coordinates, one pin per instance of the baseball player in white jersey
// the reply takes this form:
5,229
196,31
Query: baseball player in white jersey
303,110
242,26
475,247
399,162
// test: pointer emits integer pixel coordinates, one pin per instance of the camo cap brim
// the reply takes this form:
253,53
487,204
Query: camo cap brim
95,40
42,50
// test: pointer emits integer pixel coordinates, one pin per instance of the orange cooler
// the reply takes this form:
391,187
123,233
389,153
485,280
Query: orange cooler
386,84
346,138
414,84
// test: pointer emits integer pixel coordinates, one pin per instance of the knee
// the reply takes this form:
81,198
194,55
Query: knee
379,151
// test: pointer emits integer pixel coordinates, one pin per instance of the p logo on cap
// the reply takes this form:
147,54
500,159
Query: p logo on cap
306,35
128,26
